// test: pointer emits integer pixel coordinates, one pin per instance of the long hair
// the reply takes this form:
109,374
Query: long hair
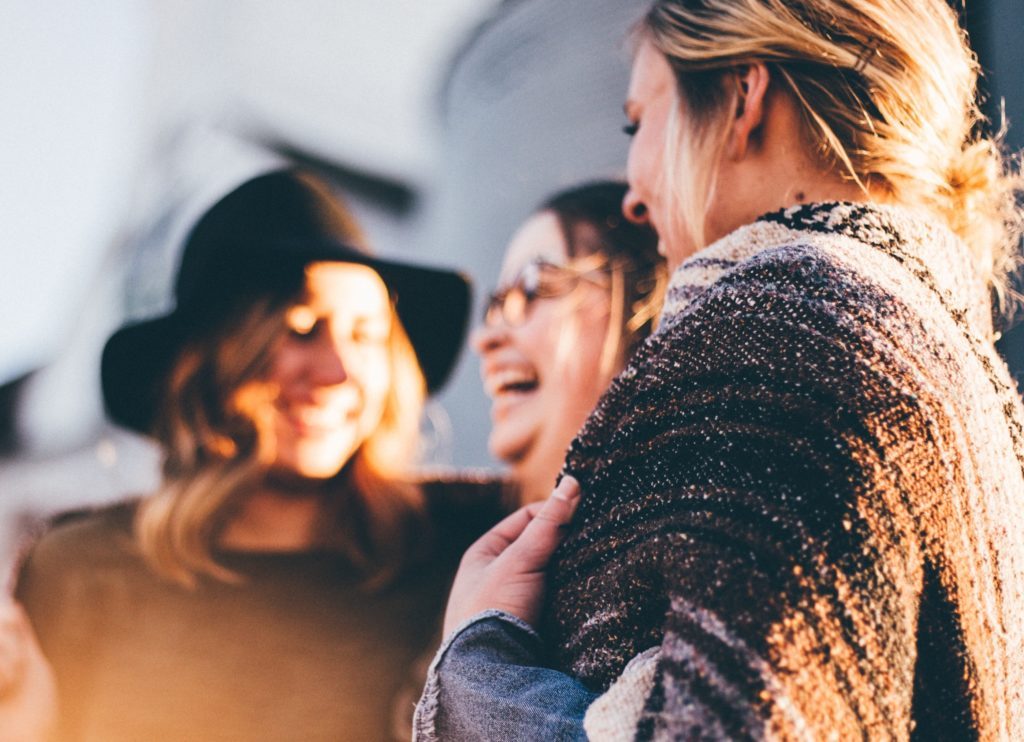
216,450
592,224
888,95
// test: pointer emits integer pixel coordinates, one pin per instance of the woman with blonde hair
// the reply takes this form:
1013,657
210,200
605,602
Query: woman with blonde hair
286,576
791,515
580,289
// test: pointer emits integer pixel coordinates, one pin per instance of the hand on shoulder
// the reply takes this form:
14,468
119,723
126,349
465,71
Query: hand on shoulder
506,567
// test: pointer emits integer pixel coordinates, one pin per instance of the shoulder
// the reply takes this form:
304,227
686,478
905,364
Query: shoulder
79,540
807,292
114,515
804,273
865,261
63,579
790,315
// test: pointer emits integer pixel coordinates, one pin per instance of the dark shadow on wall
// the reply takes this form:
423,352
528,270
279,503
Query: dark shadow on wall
395,197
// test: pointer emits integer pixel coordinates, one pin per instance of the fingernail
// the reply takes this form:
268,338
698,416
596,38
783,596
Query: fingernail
567,490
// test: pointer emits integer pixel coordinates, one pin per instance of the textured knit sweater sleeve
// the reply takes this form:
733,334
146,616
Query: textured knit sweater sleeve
770,496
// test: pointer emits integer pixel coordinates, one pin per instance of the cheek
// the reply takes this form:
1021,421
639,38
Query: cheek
285,365
579,346
643,161
585,363
547,339
296,369
375,379
634,168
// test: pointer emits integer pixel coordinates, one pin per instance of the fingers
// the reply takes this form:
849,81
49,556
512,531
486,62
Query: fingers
561,504
505,568
544,532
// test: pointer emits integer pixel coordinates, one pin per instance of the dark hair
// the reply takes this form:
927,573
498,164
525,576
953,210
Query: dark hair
592,223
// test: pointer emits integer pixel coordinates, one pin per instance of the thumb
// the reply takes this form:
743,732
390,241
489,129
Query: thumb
545,531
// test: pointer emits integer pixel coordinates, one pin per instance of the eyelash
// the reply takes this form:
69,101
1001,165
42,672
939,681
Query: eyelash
369,337
631,129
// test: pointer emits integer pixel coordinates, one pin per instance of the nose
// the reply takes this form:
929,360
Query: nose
489,336
328,366
633,208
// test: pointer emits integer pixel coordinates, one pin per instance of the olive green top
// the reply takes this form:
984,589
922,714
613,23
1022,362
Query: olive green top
300,651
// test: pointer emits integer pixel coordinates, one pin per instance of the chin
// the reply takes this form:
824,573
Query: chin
312,471
316,462
319,472
508,448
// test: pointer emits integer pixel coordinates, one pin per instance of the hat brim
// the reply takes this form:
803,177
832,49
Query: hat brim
134,367
432,304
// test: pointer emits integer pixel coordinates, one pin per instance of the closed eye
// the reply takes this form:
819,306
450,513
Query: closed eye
302,321
371,332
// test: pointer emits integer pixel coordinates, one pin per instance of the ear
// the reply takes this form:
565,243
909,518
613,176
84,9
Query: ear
751,90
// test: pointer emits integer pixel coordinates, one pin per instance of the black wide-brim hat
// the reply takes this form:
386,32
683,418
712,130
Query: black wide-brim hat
256,242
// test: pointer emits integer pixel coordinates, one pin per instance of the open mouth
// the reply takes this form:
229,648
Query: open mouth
513,381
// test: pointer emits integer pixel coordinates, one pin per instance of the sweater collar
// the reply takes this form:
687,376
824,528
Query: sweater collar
926,248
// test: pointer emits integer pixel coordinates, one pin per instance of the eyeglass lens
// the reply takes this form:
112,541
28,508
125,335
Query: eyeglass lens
538,279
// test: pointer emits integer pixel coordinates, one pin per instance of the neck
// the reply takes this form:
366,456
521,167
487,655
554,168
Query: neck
777,170
535,475
774,188
272,519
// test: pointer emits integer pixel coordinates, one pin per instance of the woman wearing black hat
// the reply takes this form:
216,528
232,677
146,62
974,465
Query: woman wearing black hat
287,573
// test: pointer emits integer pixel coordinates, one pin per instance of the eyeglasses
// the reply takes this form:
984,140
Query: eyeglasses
540,279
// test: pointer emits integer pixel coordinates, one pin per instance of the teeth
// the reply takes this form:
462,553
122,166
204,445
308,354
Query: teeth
509,380
319,418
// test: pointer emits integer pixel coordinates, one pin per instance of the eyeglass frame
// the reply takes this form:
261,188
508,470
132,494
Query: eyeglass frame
497,305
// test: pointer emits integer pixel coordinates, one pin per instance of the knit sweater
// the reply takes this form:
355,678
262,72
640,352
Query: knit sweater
806,492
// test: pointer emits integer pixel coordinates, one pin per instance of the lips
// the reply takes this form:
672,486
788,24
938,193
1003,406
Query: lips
510,381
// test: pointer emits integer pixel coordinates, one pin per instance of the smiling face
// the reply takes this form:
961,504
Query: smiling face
544,373
649,106
331,372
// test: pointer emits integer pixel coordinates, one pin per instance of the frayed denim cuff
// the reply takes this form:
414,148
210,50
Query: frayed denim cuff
425,717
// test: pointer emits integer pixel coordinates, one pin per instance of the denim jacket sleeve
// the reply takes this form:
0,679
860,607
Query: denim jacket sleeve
487,682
